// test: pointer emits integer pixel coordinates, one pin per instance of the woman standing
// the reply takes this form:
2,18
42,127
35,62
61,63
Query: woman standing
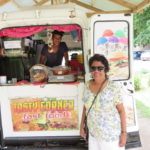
106,118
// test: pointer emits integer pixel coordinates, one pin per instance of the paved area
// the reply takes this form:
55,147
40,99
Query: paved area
144,124
139,65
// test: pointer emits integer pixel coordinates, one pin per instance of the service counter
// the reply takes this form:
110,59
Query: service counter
36,111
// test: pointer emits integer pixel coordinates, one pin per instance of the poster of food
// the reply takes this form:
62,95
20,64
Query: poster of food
111,40
41,110
42,114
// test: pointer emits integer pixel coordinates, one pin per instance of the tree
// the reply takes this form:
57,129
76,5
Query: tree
142,27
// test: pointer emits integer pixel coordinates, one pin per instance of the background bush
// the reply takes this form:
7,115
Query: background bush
142,80
137,83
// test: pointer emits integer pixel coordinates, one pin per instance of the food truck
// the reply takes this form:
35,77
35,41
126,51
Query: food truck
51,111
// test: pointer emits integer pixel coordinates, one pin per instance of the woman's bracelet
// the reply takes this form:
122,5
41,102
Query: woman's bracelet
124,132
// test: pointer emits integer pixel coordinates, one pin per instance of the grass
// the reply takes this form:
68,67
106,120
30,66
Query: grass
141,80
144,110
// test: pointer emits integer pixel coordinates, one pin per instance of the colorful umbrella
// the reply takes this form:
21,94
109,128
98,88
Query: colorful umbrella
120,33
108,33
123,40
101,40
113,39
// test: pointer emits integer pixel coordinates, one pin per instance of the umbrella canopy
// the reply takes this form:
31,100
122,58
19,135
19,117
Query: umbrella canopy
108,33
123,40
120,33
101,40
113,39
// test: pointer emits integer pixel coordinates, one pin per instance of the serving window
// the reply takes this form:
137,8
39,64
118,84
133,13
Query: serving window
22,48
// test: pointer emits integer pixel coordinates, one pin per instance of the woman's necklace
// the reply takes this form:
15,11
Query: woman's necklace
54,49
50,50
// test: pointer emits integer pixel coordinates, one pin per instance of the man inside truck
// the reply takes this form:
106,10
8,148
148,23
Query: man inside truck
53,53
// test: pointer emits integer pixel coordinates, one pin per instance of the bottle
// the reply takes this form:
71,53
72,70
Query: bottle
1,52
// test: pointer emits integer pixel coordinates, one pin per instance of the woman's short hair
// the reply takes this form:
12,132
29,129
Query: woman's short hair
102,59
61,33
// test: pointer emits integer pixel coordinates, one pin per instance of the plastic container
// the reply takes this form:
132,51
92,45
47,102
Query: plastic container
38,73
60,70
74,65
80,58
3,79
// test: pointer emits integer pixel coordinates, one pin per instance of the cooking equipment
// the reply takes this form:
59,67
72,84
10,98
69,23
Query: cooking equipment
61,78
3,79
60,70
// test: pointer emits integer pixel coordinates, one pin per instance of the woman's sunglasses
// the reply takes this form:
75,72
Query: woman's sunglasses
94,68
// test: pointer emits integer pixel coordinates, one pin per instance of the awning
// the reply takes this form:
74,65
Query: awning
91,6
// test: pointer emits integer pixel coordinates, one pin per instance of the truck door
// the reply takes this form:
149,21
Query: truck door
111,35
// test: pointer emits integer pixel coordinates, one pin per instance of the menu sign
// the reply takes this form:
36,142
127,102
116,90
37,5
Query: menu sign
12,44
42,114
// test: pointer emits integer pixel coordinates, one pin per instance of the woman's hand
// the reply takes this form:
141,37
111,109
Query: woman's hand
123,135
123,138
82,132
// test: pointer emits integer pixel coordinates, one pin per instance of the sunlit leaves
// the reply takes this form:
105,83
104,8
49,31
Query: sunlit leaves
142,27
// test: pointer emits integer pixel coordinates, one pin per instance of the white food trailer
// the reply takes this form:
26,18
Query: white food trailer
52,112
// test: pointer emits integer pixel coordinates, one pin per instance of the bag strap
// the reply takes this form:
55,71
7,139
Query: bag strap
96,96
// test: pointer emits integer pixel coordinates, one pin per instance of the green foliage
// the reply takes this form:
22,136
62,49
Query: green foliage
145,110
11,39
142,27
142,80
137,83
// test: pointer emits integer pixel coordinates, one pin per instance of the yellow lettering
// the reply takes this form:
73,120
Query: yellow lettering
25,105
42,106
30,106
35,105
59,105
48,105
54,105
14,107
71,104
64,104
19,107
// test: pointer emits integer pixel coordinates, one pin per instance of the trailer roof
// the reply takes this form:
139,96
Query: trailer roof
91,6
